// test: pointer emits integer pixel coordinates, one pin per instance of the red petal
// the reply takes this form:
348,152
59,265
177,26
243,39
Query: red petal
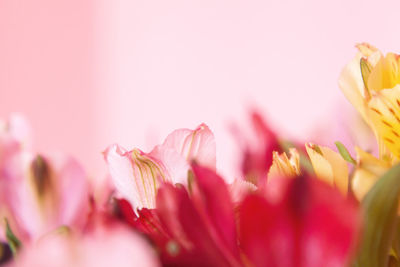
217,204
312,225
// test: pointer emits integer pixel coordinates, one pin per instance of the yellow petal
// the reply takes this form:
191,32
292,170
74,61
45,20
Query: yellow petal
368,170
362,183
370,163
329,166
321,165
386,73
339,167
352,85
384,111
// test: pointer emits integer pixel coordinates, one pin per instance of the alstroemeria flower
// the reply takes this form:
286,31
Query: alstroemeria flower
138,175
193,227
371,82
38,195
298,222
291,222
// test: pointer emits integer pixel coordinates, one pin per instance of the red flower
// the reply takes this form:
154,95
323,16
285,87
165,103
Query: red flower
306,224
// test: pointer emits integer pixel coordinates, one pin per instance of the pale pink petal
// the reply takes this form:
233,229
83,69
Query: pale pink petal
74,189
198,145
117,247
136,175
176,166
21,203
20,130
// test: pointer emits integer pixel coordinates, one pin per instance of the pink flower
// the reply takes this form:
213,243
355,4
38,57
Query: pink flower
38,195
138,175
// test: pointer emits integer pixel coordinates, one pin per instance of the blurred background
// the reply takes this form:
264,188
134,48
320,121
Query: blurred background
89,73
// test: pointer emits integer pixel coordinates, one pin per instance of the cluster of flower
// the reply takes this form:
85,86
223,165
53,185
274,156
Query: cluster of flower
292,206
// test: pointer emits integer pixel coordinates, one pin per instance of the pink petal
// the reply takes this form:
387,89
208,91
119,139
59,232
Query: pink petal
136,175
198,145
218,205
176,166
74,192
104,248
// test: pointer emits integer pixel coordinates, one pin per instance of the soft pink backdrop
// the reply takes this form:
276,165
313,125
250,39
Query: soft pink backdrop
90,73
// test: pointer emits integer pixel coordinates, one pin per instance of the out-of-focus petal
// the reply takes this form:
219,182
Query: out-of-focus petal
285,166
240,189
257,145
117,247
16,128
366,49
74,193
321,165
266,239
329,166
367,172
311,225
46,195
217,205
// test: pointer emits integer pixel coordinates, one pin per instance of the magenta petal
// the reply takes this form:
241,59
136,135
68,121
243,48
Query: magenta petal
200,234
218,205
266,235
311,225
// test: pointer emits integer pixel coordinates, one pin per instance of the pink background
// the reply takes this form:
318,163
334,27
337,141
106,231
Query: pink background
90,73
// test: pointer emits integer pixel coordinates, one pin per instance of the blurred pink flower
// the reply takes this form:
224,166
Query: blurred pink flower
116,246
38,195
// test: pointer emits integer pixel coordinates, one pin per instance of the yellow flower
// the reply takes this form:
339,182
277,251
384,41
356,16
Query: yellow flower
371,82
329,166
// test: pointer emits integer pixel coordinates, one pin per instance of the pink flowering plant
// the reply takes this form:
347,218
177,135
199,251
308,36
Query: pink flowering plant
291,205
